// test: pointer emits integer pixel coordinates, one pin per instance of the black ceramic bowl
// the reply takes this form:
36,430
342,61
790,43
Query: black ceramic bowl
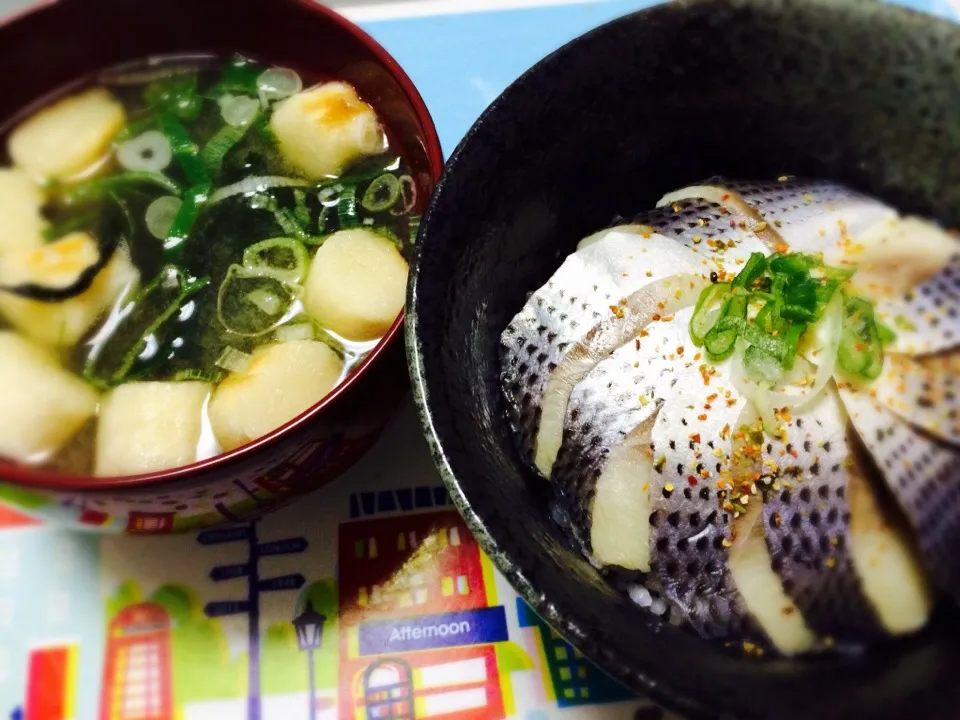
854,91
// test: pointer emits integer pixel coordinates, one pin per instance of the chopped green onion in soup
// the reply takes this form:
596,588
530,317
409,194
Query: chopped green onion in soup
202,219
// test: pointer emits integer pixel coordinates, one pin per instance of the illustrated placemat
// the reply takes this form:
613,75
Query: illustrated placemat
369,599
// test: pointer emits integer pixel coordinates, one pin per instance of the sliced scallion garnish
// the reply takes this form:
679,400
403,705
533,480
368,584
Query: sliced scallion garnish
95,190
154,305
185,150
233,360
241,305
861,348
195,375
762,365
414,222
708,311
284,258
184,221
300,211
790,293
381,194
222,142
161,214
720,342
176,95
347,208
755,267
148,152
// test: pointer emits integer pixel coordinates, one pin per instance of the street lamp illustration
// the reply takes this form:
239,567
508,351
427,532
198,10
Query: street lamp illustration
309,627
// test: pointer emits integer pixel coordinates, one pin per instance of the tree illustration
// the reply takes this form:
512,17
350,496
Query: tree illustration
202,666
23,498
284,668
129,593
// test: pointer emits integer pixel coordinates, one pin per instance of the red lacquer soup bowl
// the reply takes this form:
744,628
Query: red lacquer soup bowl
63,42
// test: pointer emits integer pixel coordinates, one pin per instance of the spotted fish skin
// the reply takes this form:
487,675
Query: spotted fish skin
923,476
809,216
691,530
923,391
927,320
615,398
718,231
807,521
583,299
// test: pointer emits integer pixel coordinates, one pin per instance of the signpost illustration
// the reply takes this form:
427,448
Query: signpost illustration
255,585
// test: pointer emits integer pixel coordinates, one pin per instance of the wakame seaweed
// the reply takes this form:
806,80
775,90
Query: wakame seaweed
178,319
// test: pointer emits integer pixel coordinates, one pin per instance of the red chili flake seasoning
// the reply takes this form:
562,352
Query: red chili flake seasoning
656,316
695,437
702,418
692,480
680,350
726,196
637,343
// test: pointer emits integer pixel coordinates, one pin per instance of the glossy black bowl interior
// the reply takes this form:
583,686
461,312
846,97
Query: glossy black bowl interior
852,91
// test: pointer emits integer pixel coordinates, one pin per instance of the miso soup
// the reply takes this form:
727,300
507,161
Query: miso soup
192,253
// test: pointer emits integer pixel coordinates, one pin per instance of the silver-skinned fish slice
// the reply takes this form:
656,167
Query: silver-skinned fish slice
926,320
599,299
923,391
691,531
723,234
924,477
895,256
761,589
807,521
809,216
603,468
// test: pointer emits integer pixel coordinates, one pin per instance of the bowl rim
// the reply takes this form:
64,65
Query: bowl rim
28,477
512,565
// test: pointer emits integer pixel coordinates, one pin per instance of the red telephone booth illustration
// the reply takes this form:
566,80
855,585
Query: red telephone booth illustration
136,676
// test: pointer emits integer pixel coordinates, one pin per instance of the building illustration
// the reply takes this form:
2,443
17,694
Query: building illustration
51,682
137,667
574,679
418,621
